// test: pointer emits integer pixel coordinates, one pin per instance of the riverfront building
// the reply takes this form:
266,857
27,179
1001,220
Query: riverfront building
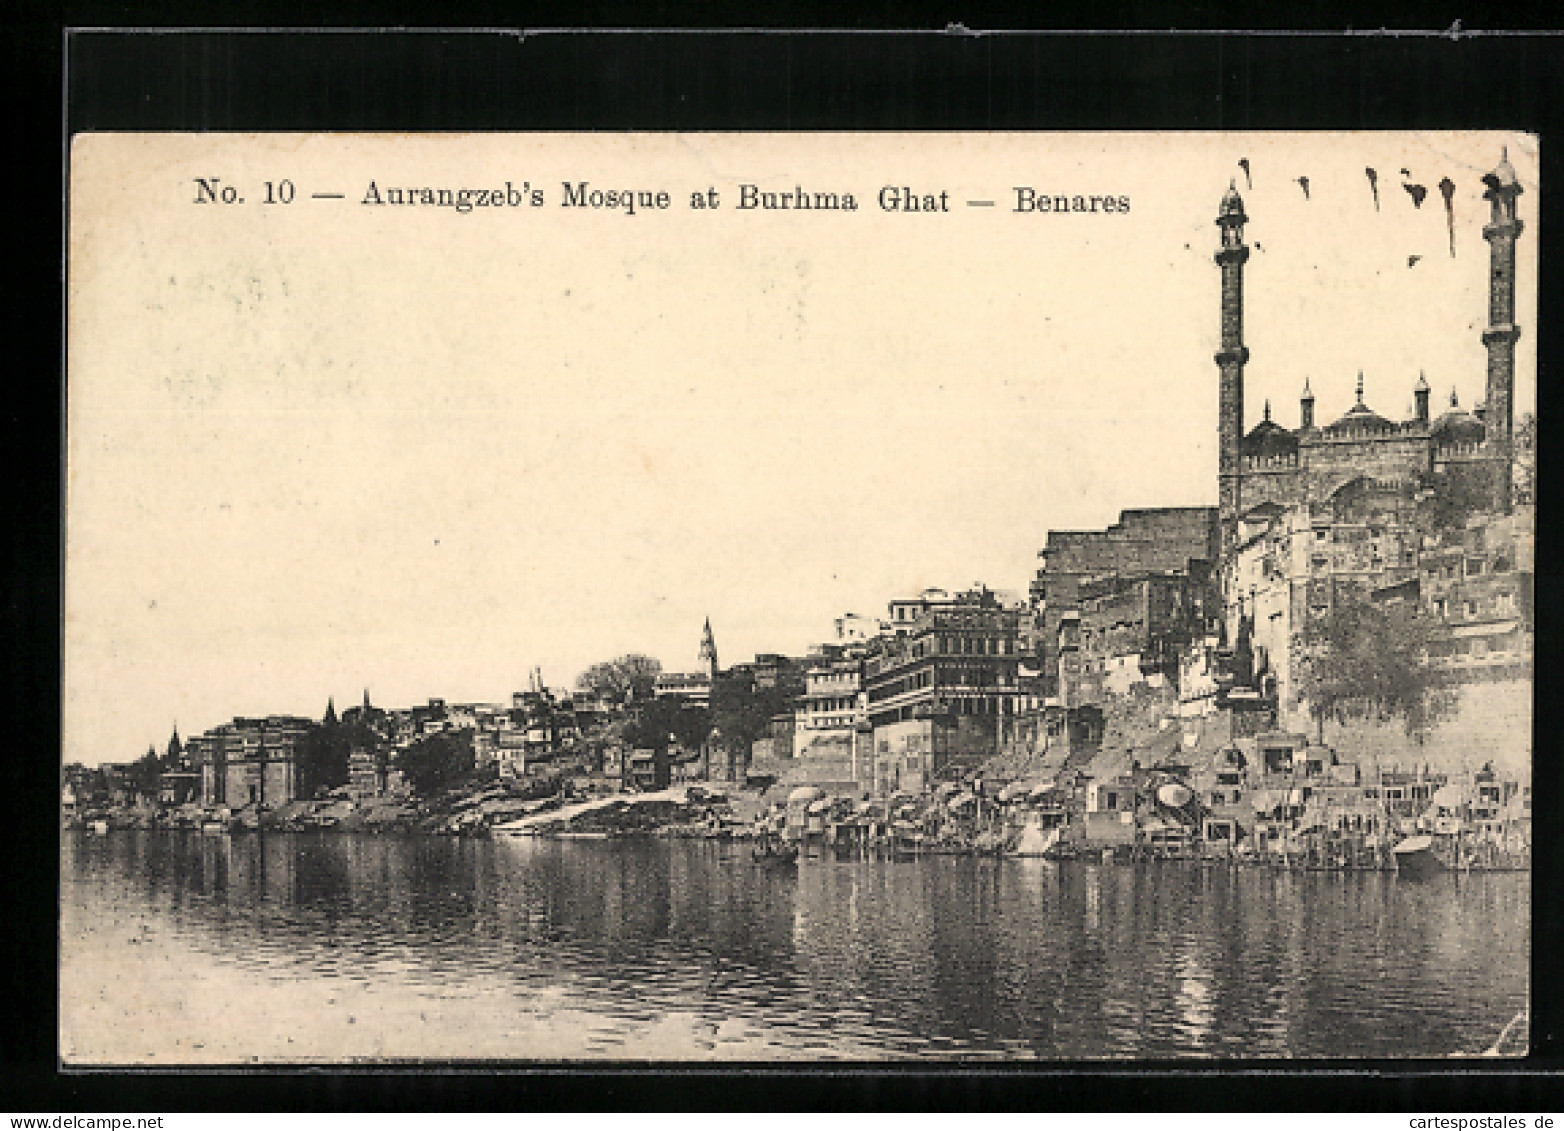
943,684
250,761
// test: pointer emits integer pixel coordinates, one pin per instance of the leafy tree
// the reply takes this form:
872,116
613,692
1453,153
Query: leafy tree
656,719
743,710
437,760
631,676
147,772
322,761
1370,660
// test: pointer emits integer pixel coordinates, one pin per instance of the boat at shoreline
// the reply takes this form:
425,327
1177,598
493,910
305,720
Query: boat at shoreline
1415,858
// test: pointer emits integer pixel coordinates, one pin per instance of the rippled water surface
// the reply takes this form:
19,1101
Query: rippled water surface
181,948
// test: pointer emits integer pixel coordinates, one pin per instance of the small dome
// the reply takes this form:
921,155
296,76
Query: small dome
1269,439
1232,203
1457,426
1504,175
1359,418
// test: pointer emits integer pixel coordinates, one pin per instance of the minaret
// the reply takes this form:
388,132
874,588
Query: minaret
1420,397
1230,359
1306,408
1501,232
708,653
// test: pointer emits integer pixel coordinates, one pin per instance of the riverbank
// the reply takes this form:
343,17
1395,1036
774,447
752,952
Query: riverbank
470,809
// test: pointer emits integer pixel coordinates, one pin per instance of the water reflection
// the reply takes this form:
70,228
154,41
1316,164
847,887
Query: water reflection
945,956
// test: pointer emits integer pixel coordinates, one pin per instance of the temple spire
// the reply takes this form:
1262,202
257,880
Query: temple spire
708,652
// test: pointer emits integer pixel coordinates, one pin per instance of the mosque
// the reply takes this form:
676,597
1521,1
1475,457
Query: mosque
1423,509
1457,454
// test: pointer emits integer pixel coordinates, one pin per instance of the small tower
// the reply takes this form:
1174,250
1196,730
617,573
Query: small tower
1230,360
1501,232
708,652
1420,397
1306,407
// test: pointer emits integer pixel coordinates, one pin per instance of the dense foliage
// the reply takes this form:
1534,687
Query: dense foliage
1371,660
437,760
630,677
743,711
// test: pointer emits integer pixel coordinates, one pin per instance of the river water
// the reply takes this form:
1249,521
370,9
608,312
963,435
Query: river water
178,948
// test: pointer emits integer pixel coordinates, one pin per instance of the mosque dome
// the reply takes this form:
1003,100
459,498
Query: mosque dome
1457,426
1268,438
1359,418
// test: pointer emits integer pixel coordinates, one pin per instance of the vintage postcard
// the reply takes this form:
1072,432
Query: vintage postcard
793,597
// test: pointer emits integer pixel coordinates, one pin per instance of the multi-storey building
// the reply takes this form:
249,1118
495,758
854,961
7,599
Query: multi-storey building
1480,583
943,684
250,761
1115,607
833,704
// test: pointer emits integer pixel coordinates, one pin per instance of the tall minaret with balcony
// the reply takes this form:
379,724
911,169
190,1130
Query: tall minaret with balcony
1501,232
1230,360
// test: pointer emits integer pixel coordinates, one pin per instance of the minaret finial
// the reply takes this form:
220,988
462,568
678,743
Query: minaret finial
1455,401
1360,386
1267,410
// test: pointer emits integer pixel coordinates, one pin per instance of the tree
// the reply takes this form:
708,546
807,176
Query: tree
743,711
1371,660
656,719
437,760
322,760
630,676
147,773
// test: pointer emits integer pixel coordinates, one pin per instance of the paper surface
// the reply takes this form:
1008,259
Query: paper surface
330,429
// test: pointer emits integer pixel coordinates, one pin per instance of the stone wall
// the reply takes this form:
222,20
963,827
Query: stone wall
1329,463
1493,722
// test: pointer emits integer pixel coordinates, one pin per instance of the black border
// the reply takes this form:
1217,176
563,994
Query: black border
645,79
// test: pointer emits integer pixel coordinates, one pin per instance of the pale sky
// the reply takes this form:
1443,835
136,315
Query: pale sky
325,446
